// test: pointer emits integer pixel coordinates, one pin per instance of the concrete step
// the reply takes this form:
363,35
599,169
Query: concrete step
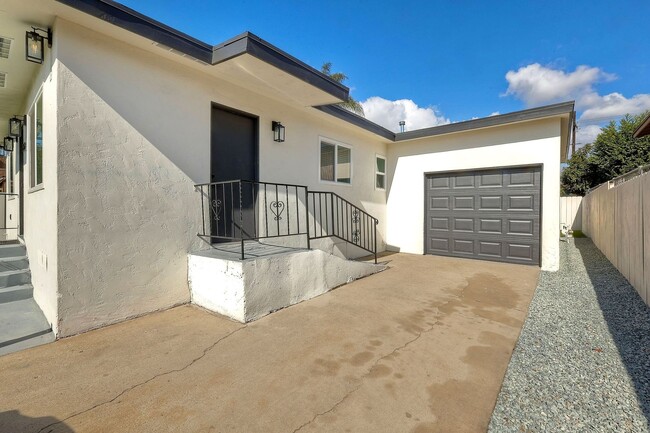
15,278
14,263
16,293
22,325
12,250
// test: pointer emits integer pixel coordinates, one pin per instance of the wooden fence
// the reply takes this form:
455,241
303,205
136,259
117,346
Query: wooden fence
616,216
571,212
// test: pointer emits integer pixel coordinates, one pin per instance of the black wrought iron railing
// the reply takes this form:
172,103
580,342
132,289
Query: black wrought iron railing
241,210
333,216
244,210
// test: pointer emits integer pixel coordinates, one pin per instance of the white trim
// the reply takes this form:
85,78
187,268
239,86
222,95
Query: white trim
374,180
31,129
336,144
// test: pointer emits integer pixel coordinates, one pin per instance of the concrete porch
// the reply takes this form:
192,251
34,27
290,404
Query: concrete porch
420,347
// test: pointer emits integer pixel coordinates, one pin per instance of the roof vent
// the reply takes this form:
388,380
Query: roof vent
3,80
5,45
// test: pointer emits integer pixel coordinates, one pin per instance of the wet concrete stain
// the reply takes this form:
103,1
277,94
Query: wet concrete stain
379,370
487,364
361,358
326,367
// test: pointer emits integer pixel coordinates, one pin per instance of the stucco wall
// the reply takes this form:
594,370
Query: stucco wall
535,142
134,136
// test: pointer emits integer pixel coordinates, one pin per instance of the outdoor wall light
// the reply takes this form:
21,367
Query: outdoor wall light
34,44
8,144
278,131
15,126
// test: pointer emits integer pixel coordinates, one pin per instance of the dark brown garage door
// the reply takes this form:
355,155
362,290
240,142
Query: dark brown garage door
485,214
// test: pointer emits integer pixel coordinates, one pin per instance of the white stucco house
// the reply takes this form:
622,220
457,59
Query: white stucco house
125,116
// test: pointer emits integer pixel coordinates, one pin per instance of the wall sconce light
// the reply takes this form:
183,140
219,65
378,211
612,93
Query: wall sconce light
34,44
278,131
8,144
15,126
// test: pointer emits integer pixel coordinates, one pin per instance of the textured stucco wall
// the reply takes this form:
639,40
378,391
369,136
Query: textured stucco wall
134,136
535,142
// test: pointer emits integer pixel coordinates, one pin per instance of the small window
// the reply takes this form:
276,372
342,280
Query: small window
335,163
380,172
36,142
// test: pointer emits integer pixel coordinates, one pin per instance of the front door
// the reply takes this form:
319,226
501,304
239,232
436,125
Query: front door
234,156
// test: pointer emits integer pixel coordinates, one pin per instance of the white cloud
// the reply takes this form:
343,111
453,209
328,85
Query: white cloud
536,85
614,105
587,134
389,113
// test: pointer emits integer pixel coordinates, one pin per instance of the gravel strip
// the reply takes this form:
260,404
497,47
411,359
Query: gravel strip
582,362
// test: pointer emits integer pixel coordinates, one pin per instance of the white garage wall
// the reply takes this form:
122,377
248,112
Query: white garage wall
527,143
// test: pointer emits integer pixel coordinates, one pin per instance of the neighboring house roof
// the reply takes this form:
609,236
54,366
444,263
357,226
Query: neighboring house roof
643,129
248,43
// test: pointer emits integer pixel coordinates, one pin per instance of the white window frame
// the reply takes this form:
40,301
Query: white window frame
31,142
377,172
336,145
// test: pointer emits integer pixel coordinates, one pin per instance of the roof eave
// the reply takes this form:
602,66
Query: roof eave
564,108
246,43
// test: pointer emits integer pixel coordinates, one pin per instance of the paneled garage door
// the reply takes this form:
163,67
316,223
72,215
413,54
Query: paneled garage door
485,214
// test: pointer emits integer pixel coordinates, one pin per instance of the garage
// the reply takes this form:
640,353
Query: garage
491,214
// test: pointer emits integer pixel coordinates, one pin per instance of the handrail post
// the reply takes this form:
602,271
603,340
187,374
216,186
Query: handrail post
376,222
241,220
332,213
307,214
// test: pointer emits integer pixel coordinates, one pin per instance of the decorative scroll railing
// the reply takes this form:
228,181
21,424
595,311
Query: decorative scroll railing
242,210
332,215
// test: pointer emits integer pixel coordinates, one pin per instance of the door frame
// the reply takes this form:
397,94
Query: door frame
501,167
256,118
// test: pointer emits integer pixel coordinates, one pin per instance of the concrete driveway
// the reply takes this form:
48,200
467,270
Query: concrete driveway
420,347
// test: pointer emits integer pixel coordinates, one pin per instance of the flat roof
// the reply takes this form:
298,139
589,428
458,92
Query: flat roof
484,122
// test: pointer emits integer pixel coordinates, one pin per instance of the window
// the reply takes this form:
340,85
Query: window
380,172
335,162
36,142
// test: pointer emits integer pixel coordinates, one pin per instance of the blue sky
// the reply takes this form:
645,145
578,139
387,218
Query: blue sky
449,57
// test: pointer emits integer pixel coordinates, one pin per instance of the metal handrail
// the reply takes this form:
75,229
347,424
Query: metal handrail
241,210
337,217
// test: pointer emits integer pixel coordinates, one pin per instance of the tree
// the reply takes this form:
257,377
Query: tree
351,104
578,176
614,152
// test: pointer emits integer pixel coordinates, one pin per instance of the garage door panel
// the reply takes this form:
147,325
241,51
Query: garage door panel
489,214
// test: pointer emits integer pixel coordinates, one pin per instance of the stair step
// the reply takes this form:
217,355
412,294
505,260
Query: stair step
16,293
12,250
14,263
22,325
15,278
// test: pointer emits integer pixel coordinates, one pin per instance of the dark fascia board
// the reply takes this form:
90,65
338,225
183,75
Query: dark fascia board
246,43
643,129
486,122
357,120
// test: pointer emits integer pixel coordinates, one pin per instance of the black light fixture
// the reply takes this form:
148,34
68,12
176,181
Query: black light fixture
8,144
278,131
34,44
15,126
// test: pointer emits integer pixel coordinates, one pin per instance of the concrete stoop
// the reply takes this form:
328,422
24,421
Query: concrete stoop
249,289
22,323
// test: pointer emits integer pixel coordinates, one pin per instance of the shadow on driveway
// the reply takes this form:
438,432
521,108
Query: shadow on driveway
14,421
627,317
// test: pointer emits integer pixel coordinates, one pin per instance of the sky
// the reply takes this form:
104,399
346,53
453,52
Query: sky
436,62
